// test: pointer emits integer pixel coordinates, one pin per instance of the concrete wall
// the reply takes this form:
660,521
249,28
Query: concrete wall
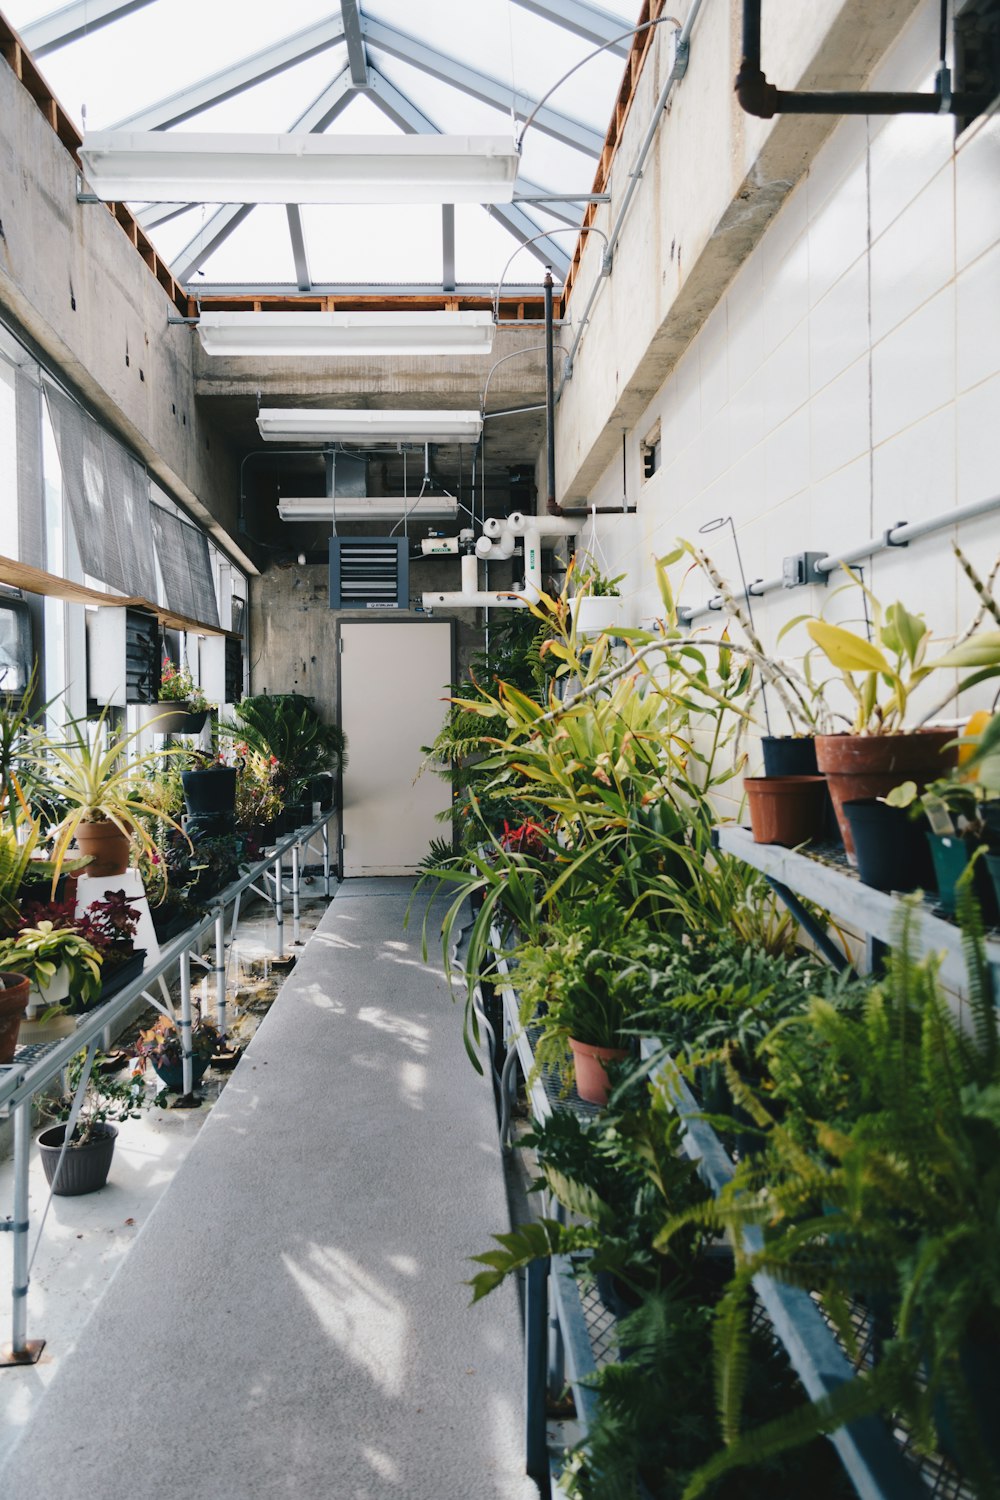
848,379
74,282
713,181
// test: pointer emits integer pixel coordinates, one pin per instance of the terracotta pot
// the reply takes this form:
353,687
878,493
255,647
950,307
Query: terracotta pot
786,810
591,1077
107,846
860,766
14,991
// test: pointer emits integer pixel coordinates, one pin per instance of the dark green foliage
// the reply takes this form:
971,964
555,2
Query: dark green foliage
285,726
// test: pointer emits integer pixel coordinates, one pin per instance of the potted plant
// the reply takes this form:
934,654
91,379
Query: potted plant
181,706
291,740
210,792
881,676
93,774
579,988
111,925
14,991
59,960
161,1045
83,1165
597,606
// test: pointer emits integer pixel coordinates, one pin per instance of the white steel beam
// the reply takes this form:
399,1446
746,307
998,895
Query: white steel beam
589,21
448,247
60,27
403,112
357,57
298,240
237,78
159,213
410,49
225,219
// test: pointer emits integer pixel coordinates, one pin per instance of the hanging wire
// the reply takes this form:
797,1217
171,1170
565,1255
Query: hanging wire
634,31
543,235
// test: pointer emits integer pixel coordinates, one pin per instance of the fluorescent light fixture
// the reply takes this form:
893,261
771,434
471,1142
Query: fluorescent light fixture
346,333
371,508
159,166
324,425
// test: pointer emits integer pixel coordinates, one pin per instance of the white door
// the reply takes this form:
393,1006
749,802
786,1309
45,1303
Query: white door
394,677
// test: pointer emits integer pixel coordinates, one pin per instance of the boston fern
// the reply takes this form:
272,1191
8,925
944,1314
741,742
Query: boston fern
886,1185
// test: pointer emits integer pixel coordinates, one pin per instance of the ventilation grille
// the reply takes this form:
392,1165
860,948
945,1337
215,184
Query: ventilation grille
142,657
234,669
369,572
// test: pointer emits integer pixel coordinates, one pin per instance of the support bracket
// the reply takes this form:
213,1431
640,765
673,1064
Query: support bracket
29,1355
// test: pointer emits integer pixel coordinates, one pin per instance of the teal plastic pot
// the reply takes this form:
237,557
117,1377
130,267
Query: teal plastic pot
951,855
993,865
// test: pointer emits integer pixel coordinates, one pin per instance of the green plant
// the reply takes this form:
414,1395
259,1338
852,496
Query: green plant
884,665
106,1100
588,579
882,1179
42,950
94,775
288,733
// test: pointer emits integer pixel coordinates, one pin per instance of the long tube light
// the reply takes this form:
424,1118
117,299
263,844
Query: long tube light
159,166
346,333
279,424
371,508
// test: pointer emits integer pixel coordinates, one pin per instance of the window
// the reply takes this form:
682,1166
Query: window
650,452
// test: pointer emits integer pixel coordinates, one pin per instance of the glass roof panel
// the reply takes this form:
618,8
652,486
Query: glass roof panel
168,45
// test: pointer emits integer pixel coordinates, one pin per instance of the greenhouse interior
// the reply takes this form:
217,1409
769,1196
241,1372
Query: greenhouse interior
500,707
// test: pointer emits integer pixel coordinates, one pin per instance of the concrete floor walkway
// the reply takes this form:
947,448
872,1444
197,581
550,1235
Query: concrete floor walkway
292,1320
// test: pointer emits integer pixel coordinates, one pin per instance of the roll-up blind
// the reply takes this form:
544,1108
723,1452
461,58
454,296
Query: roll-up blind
186,566
108,495
30,500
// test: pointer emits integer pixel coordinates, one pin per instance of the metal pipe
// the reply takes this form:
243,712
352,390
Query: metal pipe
279,905
22,1159
759,97
899,535
677,71
550,401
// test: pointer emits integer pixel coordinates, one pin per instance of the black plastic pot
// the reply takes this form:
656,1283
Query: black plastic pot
891,847
211,791
171,1075
789,755
85,1168
123,974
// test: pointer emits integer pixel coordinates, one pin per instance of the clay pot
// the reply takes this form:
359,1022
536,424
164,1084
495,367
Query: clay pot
107,846
786,810
14,991
591,1077
861,766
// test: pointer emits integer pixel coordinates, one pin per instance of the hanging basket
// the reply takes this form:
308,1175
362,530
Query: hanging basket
172,718
597,614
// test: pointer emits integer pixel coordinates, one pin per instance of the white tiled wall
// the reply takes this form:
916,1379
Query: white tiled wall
848,380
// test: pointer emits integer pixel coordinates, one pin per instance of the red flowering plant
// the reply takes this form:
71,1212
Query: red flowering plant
178,686
528,837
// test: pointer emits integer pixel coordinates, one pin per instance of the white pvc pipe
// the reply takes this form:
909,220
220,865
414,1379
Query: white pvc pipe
498,541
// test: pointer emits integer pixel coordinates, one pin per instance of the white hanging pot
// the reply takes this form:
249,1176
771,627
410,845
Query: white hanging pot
598,614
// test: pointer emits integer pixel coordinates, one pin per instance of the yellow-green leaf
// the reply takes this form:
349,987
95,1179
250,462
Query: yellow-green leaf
848,652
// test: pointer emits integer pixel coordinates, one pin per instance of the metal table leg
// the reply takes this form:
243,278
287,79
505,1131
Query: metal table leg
21,1350
184,1024
279,906
220,972
296,868
326,860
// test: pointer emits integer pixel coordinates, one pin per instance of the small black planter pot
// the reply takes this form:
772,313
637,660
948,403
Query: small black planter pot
171,1075
788,755
85,1168
125,972
210,791
891,846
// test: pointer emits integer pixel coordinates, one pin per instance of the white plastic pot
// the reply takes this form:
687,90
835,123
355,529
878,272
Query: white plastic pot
598,614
